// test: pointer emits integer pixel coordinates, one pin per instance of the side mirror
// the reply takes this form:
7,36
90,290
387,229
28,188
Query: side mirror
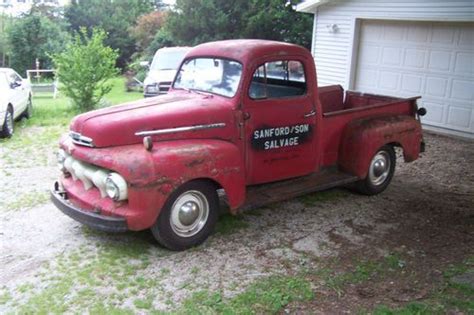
145,64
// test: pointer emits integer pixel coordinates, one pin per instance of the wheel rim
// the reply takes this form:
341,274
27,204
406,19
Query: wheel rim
189,213
379,168
9,122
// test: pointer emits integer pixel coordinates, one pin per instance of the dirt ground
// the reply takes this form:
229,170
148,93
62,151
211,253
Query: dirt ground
357,252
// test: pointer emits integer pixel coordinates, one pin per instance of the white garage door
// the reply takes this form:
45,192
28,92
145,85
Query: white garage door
431,59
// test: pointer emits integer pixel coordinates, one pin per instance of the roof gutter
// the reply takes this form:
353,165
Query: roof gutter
310,6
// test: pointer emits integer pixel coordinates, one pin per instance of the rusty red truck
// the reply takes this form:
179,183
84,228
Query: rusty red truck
244,118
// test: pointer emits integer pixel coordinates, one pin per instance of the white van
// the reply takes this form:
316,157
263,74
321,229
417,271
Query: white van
163,70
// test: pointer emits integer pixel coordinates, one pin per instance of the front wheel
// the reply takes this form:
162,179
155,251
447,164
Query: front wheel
380,172
28,110
188,216
7,130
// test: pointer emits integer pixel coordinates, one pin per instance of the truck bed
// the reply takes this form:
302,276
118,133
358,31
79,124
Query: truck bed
340,108
334,102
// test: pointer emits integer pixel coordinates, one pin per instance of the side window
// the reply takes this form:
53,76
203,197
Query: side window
278,79
13,77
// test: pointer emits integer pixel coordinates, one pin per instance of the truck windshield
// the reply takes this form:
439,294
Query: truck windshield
213,75
168,60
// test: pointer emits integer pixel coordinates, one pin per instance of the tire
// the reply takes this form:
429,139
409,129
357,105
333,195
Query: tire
29,109
188,216
380,172
7,130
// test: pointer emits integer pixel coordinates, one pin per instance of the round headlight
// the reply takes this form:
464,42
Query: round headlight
116,187
111,189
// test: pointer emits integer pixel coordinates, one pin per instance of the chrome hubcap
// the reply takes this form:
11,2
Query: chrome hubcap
9,122
379,168
189,213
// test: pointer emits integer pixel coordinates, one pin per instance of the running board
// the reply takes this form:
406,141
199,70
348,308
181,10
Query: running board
261,195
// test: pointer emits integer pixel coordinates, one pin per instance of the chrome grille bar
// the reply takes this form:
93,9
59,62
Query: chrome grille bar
178,129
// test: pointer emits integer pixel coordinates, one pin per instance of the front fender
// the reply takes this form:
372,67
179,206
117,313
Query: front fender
153,175
178,162
363,137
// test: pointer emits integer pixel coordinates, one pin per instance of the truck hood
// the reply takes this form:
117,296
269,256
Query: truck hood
156,76
118,125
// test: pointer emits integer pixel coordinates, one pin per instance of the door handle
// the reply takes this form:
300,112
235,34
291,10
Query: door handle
311,113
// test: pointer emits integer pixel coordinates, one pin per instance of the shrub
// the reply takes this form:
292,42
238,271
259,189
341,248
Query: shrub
84,68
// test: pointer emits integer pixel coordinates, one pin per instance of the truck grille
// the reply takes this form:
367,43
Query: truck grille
79,139
163,87
90,175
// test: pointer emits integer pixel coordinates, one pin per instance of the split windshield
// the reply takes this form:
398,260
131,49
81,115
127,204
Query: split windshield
213,75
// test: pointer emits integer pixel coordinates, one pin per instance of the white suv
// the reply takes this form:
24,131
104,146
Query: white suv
15,100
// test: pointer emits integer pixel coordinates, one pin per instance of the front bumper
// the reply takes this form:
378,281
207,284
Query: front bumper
91,219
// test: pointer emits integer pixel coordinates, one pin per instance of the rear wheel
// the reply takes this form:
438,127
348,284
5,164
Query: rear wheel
7,130
188,216
380,172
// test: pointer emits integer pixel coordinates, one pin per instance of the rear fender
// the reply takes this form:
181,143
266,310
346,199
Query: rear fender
363,137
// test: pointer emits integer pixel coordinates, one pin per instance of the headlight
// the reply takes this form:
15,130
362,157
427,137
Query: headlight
61,158
116,187
153,88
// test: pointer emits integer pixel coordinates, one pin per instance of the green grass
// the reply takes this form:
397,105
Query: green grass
449,297
363,270
229,224
88,280
34,139
310,200
265,296
26,201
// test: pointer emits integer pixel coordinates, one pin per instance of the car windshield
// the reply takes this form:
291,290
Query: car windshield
168,60
213,75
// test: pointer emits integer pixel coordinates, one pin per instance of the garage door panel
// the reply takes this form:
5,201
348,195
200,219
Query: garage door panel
436,86
463,90
415,58
431,59
439,60
435,112
464,63
459,117
412,84
391,56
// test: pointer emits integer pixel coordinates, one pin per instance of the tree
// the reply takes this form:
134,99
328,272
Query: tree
85,67
115,17
197,21
34,37
147,26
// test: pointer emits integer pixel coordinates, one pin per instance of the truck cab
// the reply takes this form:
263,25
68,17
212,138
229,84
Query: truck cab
245,117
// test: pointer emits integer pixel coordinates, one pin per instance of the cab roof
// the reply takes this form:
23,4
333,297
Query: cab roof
245,50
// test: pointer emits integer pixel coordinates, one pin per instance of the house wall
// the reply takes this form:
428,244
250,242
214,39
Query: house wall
335,53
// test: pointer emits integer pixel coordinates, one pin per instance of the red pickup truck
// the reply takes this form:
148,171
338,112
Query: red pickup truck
243,117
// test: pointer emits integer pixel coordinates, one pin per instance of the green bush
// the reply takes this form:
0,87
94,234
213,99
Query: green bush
84,68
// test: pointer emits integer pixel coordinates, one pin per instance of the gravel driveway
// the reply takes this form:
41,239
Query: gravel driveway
425,219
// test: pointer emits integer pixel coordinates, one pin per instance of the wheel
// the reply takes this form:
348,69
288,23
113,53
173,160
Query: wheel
380,173
29,109
188,216
7,130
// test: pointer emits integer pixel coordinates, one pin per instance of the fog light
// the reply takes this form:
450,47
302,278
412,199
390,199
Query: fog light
116,187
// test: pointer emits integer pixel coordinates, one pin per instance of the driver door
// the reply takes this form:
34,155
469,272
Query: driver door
280,120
